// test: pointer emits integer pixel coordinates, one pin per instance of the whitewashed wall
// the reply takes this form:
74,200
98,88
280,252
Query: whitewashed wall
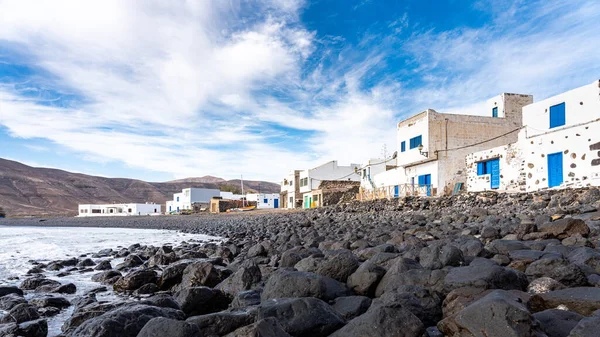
261,198
413,127
580,146
511,169
328,171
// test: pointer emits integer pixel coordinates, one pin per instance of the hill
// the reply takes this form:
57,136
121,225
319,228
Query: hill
26,190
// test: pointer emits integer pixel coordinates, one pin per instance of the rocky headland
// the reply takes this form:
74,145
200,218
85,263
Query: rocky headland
475,264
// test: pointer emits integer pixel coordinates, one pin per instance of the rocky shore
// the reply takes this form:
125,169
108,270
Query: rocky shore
481,264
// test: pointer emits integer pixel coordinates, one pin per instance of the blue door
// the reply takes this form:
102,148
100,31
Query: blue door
555,169
275,203
495,173
425,181
169,208
396,191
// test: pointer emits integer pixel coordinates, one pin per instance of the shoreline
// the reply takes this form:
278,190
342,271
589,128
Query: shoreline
419,263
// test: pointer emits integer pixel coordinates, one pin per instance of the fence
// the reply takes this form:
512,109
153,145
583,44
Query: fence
396,191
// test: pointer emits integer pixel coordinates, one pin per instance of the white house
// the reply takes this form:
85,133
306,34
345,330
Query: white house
290,190
330,171
432,146
371,171
230,196
263,200
187,197
558,147
86,210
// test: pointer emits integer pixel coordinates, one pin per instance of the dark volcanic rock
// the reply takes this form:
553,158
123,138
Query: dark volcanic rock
383,321
365,279
201,300
268,327
284,284
564,228
243,279
584,300
125,321
557,323
221,323
351,306
163,327
302,316
35,282
437,256
103,265
171,275
9,301
558,269
106,277
56,302
203,274
5,290
498,314
587,327
135,280
485,274
20,313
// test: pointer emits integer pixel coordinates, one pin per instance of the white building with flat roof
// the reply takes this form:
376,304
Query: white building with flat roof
86,210
189,196
432,147
558,147
311,179
264,200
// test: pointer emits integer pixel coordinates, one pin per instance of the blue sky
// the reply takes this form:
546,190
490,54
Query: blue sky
163,90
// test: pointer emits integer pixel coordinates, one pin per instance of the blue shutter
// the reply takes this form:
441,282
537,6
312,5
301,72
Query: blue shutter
403,146
557,115
488,167
265,201
480,168
415,142
421,180
495,112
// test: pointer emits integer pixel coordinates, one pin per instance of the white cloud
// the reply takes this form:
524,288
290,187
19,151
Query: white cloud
190,88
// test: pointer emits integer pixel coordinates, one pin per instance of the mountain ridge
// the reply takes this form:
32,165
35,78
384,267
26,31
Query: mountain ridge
39,191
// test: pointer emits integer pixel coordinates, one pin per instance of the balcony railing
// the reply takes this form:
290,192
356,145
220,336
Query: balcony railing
396,191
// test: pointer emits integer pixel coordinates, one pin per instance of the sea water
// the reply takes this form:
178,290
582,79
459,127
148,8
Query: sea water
21,245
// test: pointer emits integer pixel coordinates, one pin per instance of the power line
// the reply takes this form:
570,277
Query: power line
482,142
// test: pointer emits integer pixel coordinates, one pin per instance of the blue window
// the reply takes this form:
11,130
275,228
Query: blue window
557,115
415,142
495,112
491,167
177,199
484,167
265,201
402,146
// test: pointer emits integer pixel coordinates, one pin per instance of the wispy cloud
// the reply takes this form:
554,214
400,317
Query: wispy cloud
227,87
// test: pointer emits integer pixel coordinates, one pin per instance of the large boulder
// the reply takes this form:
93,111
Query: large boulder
35,282
302,316
56,302
395,273
5,290
268,327
20,313
172,275
365,279
383,320
201,300
587,327
583,300
247,276
284,284
221,323
135,280
10,301
36,328
437,256
564,228
585,257
486,274
337,264
351,306
556,322
163,327
203,273
557,269
125,321
107,277
500,313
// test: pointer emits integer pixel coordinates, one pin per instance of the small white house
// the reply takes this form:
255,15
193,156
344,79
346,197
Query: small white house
231,196
290,190
86,210
189,196
264,200
311,179
558,147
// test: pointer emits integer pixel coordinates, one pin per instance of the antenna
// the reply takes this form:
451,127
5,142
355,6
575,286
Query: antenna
384,151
